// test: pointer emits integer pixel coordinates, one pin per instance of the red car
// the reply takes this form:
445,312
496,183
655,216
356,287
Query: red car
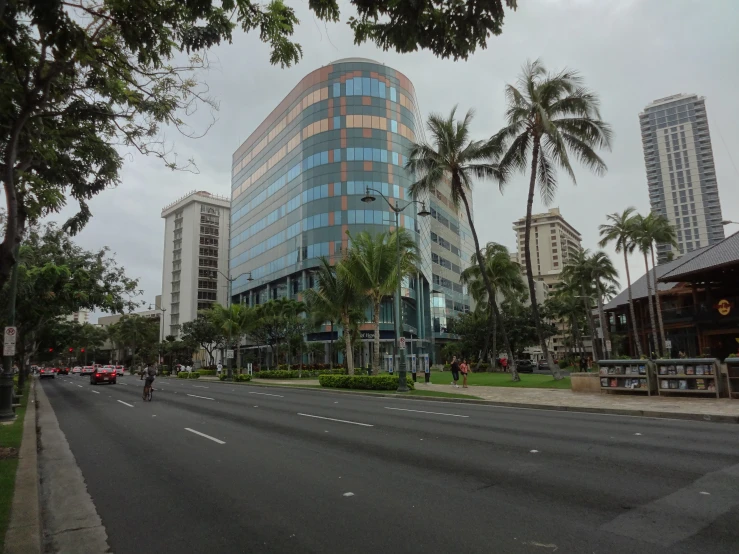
63,371
103,375
47,372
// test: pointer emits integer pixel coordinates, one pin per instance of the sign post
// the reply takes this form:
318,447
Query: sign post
249,368
401,343
229,354
9,338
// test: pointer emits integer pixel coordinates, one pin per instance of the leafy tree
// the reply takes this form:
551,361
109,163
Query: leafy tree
81,77
456,159
233,322
564,306
504,277
57,278
89,337
371,268
335,299
203,332
140,334
620,230
519,324
551,116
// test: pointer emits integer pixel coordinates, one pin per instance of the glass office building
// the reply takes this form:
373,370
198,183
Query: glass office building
297,184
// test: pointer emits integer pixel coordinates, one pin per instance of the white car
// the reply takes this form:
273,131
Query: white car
119,370
76,370
87,370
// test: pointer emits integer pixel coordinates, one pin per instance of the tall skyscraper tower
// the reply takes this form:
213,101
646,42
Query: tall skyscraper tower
680,171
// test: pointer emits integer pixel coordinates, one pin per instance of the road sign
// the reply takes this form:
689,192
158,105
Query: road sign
249,369
9,337
402,342
608,345
668,344
229,354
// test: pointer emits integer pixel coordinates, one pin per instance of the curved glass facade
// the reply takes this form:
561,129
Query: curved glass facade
298,180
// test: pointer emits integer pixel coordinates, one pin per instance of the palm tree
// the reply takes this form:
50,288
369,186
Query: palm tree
370,267
605,278
505,278
660,231
336,300
577,273
456,159
233,322
644,240
621,231
550,117
566,305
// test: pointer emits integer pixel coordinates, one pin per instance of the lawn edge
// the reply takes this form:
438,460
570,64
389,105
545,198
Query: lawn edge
23,535
711,418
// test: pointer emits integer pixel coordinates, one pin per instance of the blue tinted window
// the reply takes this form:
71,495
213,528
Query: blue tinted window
324,158
350,88
324,249
375,87
337,155
375,154
350,187
337,218
369,216
317,158
357,86
384,189
350,154
337,89
310,195
396,191
383,156
368,154
358,154
393,126
393,94
337,189
378,217
351,218
324,220
324,191
386,218
382,89
366,88
337,122
395,158
360,216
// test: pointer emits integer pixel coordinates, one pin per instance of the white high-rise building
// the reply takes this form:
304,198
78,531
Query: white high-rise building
81,316
195,265
681,174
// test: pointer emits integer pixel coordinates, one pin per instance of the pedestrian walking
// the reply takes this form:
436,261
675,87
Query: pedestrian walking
219,368
465,369
504,364
455,372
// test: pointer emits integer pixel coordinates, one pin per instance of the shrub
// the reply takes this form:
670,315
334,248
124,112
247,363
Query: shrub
362,382
207,371
182,375
186,375
244,377
563,364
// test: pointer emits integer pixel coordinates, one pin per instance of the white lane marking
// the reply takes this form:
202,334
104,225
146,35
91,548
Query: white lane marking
126,403
124,384
704,492
96,392
267,394
637,434
80,386
204,435
338,420
348,494
203,397
534,451
199,387
424,412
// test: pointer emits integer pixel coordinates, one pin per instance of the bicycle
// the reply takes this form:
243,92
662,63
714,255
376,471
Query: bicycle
147,392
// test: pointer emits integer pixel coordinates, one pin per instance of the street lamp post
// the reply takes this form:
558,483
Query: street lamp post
728,222
399,353
228,308
161,330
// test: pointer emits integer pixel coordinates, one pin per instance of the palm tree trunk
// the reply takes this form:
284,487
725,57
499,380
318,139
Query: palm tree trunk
631,308
659,306
602,317
348,347
651,306
511,360
529,269
591,325
478,254
331,348
376,321
490,327
495,340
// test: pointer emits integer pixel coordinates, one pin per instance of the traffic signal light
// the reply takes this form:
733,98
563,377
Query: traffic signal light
71,349
82,350
51,350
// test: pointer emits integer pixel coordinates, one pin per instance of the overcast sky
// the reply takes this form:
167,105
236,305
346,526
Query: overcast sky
630,51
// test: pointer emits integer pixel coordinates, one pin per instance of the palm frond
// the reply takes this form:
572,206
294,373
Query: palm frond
593,132
585,154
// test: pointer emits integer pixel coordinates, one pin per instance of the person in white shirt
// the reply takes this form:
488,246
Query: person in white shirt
219,368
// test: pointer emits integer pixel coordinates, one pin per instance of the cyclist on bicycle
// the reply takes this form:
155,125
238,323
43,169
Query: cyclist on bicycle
149,374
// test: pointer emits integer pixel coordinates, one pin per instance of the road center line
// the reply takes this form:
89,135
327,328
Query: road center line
338,420
424,412
124,384
267,394
80,386
199,387
96,392
204,435
126,403
204,397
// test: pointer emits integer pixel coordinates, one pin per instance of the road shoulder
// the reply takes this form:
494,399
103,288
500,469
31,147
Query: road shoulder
24,530
70,520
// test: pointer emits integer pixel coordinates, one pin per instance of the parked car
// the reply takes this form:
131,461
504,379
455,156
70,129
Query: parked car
542,365
63,371
87,370
119,369
524,366
103,375
76,370
47,372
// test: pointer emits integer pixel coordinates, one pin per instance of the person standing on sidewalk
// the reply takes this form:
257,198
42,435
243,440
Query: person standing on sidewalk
504,364
465,369
455,372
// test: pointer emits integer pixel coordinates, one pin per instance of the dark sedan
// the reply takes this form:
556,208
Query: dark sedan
542,365
524,366
63,371
103,375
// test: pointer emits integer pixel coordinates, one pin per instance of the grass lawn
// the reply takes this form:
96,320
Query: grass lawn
528,380
10,437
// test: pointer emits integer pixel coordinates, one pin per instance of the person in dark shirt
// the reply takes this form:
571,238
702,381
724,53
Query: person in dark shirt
455,372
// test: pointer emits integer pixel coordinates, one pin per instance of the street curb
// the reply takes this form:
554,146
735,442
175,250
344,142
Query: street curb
24,530
711,418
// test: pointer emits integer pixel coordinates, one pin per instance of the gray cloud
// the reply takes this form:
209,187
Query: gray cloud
631,53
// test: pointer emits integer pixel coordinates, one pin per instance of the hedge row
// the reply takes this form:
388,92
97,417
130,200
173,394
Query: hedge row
364,382
241,377
207,371
294,374
188,375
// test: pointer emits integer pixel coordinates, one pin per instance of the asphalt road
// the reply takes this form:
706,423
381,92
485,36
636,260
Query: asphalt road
221,468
